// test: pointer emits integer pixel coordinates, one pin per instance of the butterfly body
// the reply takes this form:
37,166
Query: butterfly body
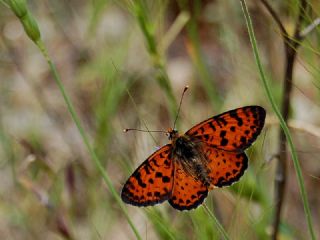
211,154
188,152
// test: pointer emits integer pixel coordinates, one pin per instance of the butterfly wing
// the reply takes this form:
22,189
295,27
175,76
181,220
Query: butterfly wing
152,182
224,167
188,193
234,130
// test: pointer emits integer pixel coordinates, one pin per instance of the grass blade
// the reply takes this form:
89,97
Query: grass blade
282,122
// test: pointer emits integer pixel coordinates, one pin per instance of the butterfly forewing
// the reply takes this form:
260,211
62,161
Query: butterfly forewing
152,182
234,130
187,192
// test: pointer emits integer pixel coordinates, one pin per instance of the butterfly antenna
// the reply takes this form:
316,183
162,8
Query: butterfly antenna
184,90
141,130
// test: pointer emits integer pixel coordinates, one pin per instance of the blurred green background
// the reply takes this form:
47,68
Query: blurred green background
124,65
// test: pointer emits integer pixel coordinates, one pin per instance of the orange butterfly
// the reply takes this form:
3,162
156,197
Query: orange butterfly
211,154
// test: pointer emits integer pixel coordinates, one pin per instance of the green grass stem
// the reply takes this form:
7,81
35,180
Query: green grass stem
281,120
147,28
31,28
85,139
216,222
198,59
197,55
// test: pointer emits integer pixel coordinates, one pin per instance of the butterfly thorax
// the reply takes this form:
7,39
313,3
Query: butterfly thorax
188,152
172,134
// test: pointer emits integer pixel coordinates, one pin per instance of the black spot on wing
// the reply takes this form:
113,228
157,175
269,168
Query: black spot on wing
212,126
165,179
223,133
137,176
234,115
224,142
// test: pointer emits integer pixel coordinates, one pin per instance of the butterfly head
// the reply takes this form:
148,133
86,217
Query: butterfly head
172,134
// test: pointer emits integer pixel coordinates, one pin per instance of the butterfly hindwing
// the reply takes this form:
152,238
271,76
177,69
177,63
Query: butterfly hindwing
188,193
225,167
234,130
152,182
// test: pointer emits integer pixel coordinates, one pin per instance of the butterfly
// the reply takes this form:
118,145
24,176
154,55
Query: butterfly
209,155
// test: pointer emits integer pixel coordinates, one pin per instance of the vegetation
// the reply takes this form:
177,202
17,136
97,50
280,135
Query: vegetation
93,68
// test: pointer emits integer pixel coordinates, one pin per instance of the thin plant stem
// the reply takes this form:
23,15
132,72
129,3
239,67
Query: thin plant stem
197,56
291,45
84,137
281,169
275,17
198,59
281,119
216,222
157,59
310,28
20,9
